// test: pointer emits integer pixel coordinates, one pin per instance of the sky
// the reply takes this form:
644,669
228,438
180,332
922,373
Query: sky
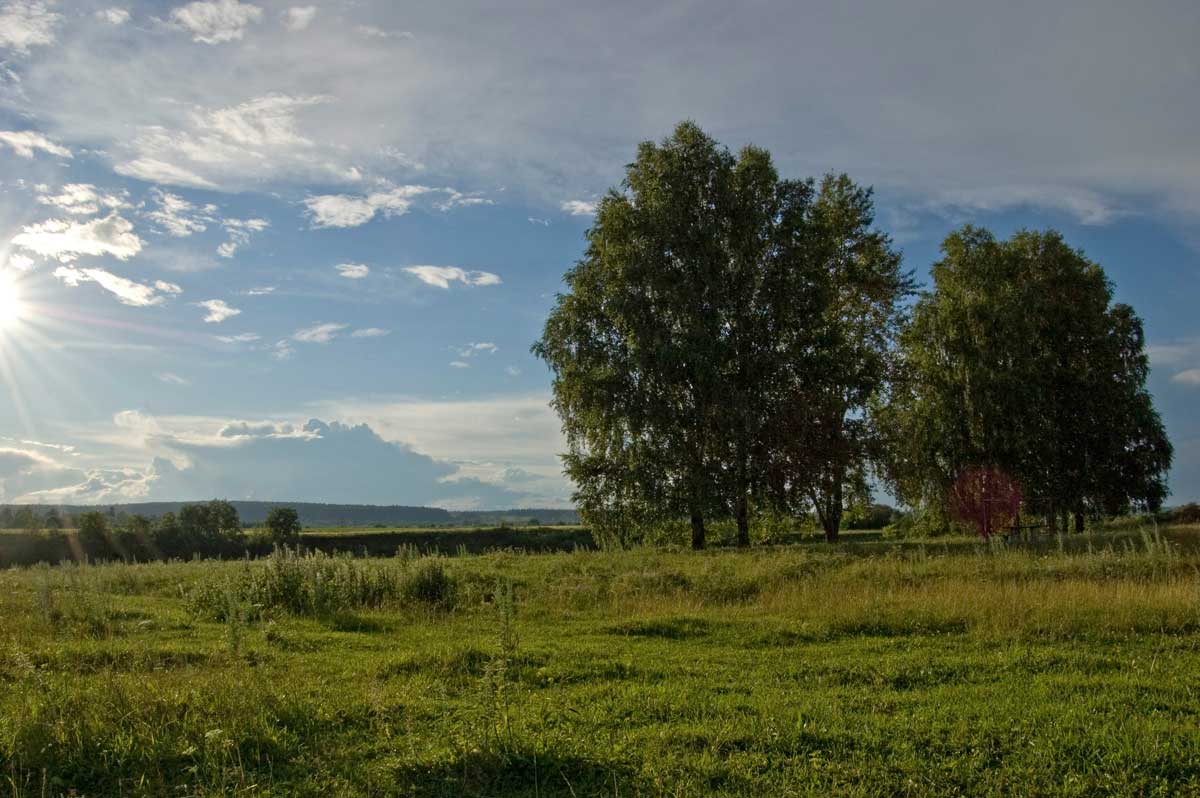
300,252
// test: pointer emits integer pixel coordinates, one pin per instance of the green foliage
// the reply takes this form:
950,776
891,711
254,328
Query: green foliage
283,526
1018,360
719,341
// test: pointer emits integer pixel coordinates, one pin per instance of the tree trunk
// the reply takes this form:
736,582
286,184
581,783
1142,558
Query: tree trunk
1078,522
831,519
697,531
743,522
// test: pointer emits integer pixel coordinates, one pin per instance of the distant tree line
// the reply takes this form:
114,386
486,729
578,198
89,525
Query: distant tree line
206,529
738,346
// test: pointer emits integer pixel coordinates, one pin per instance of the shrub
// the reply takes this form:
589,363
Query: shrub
429,583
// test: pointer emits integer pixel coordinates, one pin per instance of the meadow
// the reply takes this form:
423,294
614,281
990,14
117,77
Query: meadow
942,667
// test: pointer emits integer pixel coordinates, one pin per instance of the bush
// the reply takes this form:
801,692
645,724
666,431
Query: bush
429,583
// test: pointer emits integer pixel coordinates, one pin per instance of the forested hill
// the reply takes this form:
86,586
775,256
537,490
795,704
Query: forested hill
313,514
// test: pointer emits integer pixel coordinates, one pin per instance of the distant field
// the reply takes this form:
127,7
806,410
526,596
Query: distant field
869,668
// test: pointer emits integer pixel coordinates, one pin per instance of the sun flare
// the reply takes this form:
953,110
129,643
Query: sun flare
11,307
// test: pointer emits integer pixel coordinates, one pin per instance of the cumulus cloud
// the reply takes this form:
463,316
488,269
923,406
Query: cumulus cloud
297,18
27,24
25,142
178,217
337,462
21,263
83,199
216,21
239,232
353,271
113,16
579,207
318,333
126,291
65,240
218,311
442,276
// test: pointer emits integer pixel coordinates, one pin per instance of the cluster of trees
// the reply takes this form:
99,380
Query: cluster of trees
34,519
733,343
208,529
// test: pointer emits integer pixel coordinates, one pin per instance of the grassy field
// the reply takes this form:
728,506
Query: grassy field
870,668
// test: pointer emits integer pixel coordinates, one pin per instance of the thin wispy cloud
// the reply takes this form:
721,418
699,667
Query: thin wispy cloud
240,338
239,232
171,378
26,143
318,333
113,16
178,217
370,332
83,199
127,292
353,271
442,276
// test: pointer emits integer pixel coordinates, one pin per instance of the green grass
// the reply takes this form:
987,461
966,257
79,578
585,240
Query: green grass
871,668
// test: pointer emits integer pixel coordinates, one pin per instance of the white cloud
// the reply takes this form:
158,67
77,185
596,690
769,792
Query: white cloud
178,217
153,170
353,271
25,24
343,210
458,364
239,231
373,32
113,16
171,378
542,222
25,142
66,240
297,18
370,332
216,21
472,349
21,263
218,311
512,371
579,207
349,210
1188,377
126,291
240,338
283,350
318,333
82,199
231,145
1174,353
442,276
1086,207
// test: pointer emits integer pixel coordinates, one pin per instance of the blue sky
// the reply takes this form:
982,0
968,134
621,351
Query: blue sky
300,252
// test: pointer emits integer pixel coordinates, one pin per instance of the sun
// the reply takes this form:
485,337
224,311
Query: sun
11,306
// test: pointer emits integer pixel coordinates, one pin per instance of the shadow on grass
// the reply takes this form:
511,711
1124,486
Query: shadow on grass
518,773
